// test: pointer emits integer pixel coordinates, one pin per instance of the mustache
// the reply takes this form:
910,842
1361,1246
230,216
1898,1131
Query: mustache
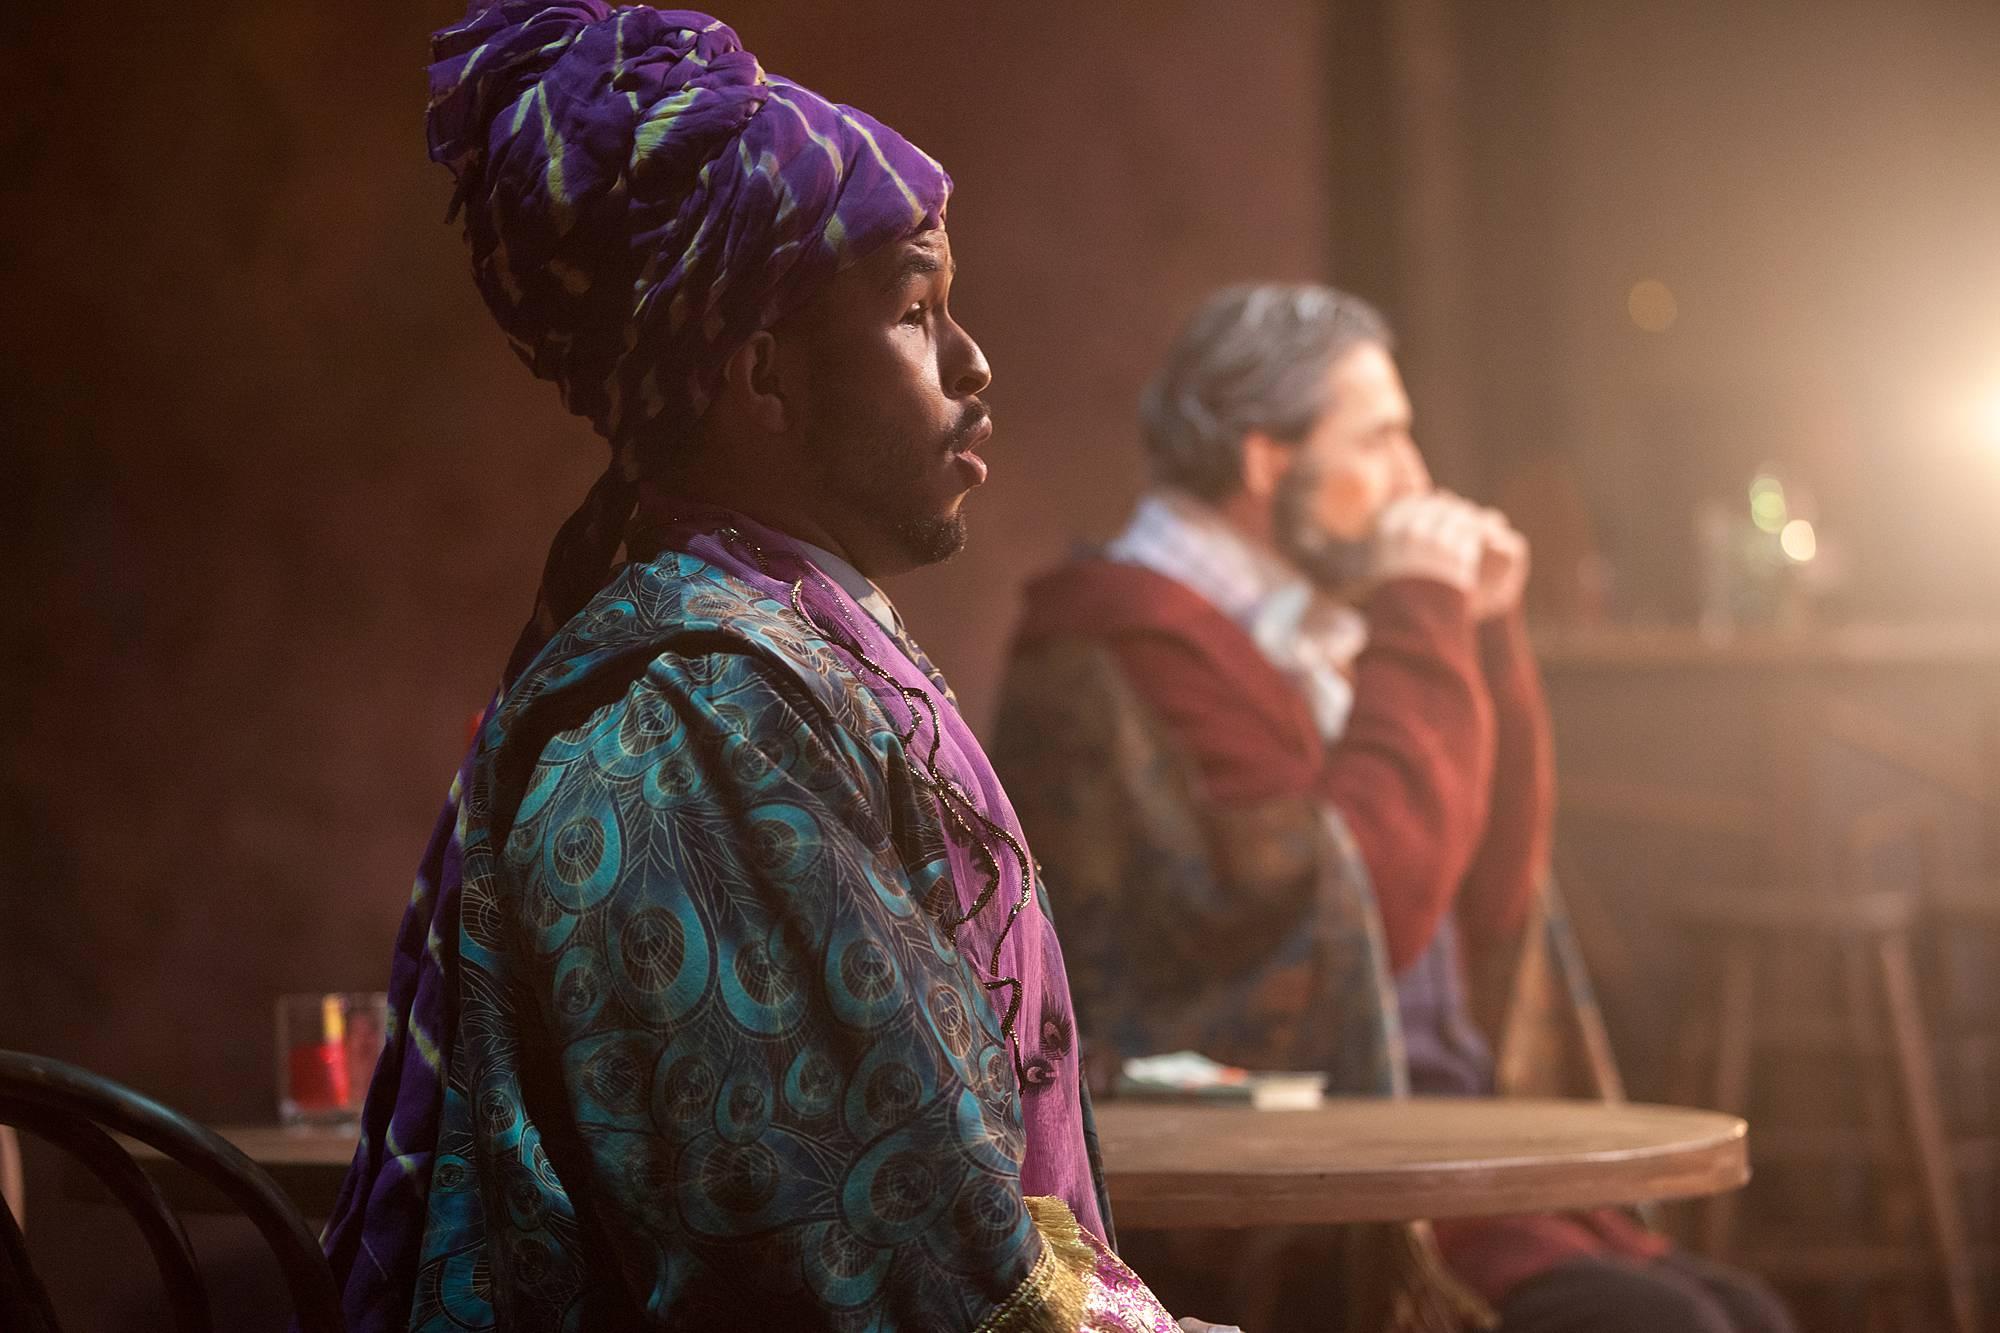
975,415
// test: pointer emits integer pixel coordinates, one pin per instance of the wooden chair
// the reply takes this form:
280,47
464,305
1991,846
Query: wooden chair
1532,996
1875,1039
1537,1005
78,1111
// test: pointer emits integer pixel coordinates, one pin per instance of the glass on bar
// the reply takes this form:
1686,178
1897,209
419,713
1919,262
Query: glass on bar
327,1048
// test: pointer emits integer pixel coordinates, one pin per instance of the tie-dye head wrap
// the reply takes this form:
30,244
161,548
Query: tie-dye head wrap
640,198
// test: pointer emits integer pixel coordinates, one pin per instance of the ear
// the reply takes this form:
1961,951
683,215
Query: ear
751,381
1265,463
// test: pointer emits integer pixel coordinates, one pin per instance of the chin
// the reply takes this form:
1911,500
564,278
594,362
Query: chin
1334,566
933,539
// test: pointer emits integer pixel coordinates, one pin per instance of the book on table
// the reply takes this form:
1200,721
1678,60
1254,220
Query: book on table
1191,1076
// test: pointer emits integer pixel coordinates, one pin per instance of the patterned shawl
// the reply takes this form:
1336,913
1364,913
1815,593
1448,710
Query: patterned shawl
980,1100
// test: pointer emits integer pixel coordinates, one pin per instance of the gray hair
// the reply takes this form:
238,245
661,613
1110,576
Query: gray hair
1254,357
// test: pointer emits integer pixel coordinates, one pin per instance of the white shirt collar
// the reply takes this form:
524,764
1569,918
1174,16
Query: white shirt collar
1306,634
866,594
1175,534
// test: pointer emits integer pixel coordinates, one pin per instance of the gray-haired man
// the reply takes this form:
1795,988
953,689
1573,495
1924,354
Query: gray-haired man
1293,694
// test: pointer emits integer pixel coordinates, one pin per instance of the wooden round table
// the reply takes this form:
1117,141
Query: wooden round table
1172,1165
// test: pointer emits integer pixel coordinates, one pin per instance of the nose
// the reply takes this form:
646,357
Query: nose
965,372
1415,477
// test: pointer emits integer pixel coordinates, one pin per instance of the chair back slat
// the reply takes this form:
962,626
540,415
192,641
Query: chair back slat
23,1300
13,1180
132,1188
65,1090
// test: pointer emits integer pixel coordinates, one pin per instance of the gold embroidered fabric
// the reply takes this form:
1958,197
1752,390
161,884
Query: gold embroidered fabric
1077,1286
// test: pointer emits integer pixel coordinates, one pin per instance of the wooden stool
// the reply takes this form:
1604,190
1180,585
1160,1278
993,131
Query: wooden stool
1964,971
1878,1022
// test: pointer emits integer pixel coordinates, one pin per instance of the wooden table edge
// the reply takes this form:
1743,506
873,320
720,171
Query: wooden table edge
1156,1200
1164,1200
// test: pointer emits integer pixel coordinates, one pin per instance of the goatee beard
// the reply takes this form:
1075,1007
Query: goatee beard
1335,565
932,541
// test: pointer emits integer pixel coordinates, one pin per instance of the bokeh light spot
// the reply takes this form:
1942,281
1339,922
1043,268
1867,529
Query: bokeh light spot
1652,305
1768,508
1798,541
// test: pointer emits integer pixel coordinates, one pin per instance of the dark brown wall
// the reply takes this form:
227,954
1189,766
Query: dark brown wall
277,493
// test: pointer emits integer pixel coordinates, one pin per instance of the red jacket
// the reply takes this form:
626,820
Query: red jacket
1444,775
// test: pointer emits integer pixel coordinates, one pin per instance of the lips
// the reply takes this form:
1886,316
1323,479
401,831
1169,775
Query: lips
965,454
972,465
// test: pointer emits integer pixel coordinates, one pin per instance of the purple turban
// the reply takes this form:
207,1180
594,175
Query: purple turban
640,198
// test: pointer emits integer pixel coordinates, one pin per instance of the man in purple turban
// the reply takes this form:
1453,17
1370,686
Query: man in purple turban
727,996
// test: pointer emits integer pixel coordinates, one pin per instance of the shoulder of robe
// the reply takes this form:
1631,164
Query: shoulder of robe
681,624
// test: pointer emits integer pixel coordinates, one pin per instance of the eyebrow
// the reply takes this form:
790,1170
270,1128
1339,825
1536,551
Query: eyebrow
915,262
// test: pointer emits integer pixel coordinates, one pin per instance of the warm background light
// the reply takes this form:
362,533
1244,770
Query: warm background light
1987,418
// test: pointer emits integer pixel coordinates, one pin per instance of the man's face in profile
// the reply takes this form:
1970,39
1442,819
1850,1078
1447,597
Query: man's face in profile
891,414
1359,457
